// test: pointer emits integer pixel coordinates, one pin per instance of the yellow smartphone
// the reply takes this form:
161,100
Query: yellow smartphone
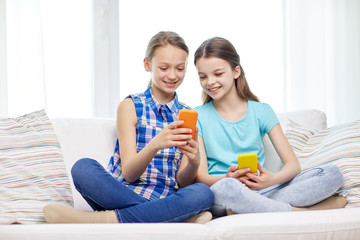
248,160
190,118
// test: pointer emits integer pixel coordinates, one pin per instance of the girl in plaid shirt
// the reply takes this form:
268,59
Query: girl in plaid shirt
151,175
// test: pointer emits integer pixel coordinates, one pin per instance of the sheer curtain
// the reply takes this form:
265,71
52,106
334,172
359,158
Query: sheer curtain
3,61
26,88
322,57
49,57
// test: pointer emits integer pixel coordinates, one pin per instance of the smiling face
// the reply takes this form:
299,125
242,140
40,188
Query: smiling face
217,78
167,68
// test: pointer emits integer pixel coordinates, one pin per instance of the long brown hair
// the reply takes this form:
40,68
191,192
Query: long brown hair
161,39
221,48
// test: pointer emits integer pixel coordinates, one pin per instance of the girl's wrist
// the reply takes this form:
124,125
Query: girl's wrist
152,146
278,178
194,163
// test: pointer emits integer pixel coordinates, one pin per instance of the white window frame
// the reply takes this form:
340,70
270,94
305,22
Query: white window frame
106,82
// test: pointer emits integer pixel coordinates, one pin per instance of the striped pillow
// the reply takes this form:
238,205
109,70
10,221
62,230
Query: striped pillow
338,145
32,170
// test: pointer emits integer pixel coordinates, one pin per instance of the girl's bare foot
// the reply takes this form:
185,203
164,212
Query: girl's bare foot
329,203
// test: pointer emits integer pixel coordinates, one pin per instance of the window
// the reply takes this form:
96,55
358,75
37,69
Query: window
71,56
254,27
49,57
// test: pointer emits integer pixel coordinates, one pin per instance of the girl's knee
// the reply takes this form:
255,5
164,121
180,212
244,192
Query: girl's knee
80,167
225,184
335,175
227,188
205,194
197,194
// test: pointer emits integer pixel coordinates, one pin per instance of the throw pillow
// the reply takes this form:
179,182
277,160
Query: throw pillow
338,145
32,170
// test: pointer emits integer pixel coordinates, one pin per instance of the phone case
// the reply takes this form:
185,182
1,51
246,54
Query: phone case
248,160
190,118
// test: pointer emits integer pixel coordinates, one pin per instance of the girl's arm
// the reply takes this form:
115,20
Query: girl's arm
203,175
203,172
290,169
291,166
134,164
190,162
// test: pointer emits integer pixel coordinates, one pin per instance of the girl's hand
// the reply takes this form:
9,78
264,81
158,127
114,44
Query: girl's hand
190,161
255,182
237,173
191,149
171,136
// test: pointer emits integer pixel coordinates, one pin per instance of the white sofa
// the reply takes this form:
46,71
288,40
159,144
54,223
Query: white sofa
95,138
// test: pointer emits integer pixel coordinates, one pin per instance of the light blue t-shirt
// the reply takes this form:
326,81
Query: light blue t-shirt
224,140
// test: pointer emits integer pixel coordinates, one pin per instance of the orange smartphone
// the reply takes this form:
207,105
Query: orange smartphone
248,160
190,118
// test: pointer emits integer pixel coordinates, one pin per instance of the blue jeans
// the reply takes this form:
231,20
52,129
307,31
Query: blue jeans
103,192
306,189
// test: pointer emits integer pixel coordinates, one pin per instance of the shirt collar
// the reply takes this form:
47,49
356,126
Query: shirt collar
172,106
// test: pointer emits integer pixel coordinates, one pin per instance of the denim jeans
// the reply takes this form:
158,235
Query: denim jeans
306,189
103,192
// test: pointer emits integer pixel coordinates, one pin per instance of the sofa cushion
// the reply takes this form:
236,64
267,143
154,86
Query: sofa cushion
126,231
316,225
338,145
32,169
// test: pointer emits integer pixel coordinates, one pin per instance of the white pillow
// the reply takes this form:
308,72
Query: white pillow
32,171
338,145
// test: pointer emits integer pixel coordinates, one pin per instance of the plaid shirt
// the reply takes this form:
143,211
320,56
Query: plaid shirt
159,178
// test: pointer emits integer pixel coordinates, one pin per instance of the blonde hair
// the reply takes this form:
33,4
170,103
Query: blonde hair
221,48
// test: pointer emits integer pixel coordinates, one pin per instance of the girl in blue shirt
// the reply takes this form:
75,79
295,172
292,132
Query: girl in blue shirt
233,121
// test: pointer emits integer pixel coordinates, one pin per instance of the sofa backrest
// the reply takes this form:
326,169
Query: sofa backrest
80,138
95,138
309,118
